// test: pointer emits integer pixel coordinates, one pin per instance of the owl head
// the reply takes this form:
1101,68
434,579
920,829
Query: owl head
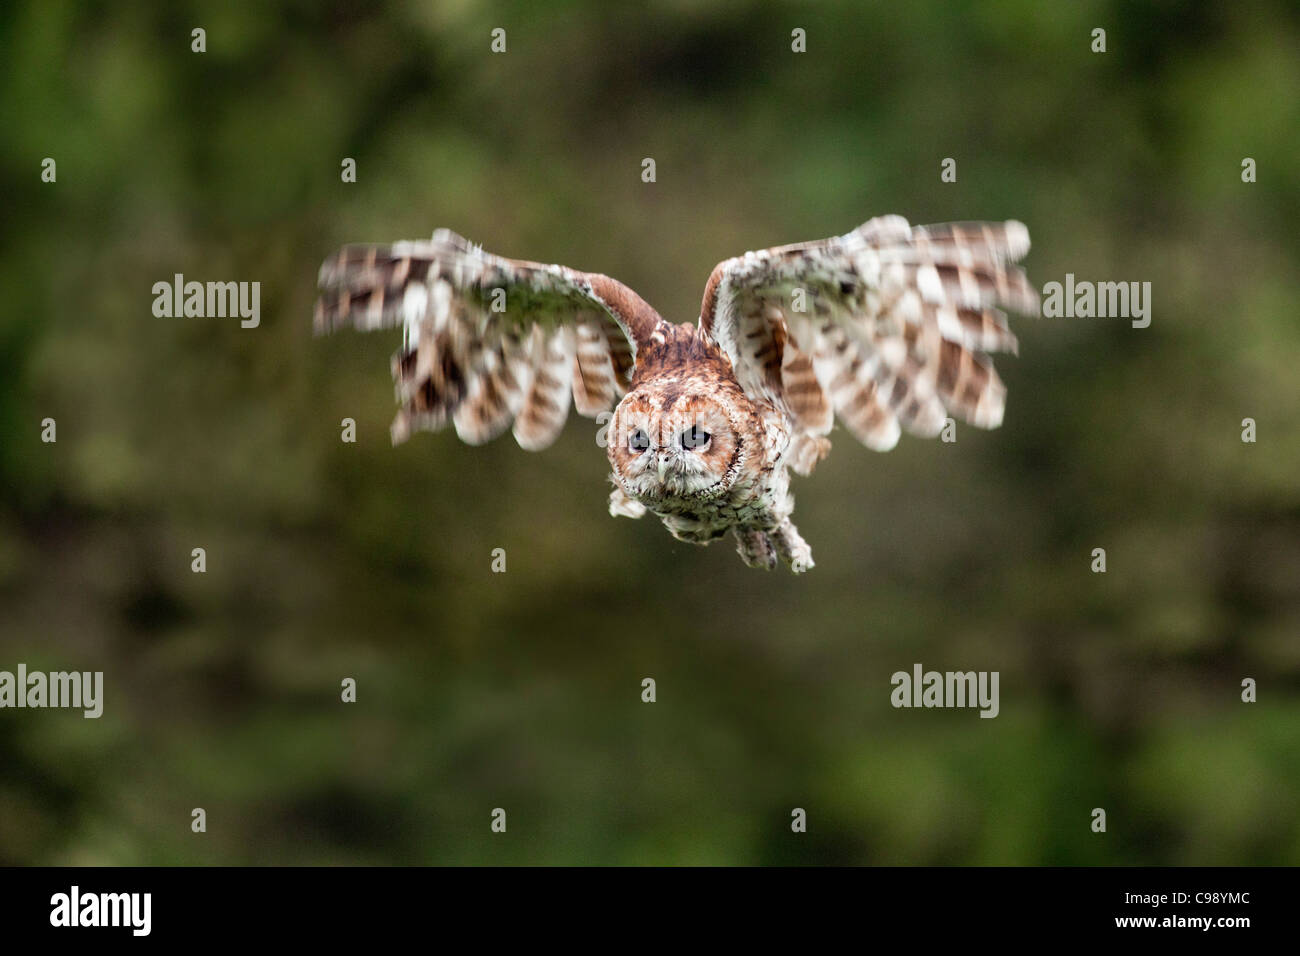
665,444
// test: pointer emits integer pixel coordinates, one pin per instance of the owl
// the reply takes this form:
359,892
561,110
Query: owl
886,328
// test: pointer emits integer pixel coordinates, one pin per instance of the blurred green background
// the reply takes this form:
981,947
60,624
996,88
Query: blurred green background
522,690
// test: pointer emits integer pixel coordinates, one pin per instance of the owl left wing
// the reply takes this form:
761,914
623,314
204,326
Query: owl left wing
489,341
889,325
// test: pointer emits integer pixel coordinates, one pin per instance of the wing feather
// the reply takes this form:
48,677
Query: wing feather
488,341
894,321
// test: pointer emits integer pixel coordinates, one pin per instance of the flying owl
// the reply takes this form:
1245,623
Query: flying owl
885,328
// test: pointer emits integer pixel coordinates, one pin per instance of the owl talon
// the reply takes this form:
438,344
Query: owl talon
756,549
623,506
793,548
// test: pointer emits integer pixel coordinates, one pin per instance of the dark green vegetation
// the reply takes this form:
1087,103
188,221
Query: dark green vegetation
522,690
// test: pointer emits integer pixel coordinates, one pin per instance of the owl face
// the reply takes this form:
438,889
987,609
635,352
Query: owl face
673,446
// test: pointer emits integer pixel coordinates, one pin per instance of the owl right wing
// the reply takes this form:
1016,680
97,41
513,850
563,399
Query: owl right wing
889,325
489,341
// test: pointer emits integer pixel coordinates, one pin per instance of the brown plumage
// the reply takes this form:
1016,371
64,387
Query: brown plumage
885,328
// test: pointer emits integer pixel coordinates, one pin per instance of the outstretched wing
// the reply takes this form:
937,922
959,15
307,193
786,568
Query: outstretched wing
488,341
887,326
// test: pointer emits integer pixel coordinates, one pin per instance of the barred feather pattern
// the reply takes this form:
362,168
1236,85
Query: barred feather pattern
565,337
897,324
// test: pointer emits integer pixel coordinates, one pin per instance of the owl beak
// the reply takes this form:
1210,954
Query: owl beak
663,466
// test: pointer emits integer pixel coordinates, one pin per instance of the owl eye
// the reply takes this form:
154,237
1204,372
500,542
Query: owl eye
638,441
695,437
